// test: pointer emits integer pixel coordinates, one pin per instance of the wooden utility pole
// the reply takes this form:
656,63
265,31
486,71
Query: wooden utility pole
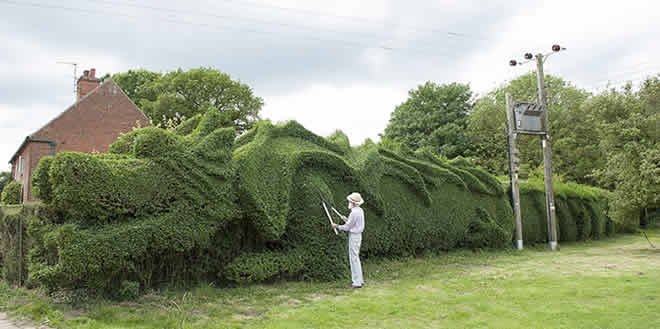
514,169
547,159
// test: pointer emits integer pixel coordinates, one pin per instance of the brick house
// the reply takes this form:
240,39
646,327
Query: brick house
102,112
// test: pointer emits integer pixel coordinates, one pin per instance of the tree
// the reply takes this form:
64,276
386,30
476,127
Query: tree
134,83
630,140
184,94
572,136
433,116
5,178
487,134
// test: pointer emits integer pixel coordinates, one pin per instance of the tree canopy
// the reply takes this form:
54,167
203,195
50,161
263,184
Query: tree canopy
434,116
184,94
5,178
628,129
574,152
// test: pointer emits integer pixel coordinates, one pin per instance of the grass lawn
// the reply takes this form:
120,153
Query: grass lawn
612,283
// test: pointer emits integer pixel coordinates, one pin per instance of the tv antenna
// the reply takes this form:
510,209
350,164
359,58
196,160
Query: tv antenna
75,75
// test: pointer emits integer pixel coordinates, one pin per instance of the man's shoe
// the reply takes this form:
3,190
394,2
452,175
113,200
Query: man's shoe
357,287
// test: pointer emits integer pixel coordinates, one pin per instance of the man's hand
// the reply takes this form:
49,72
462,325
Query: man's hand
334,225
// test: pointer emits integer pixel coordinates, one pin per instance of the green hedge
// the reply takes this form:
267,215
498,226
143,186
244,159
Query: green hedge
157,209
580,212
11,194
195,203
14,244
412,205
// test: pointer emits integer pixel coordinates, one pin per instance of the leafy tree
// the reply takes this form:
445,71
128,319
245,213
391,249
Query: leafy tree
5,178
433,116
629,139
184,94
572,134
487,134
134,83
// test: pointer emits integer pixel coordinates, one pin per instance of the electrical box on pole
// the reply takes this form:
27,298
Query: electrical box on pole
532,119
528,117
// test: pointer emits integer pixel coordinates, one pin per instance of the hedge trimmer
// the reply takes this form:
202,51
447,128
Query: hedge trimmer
325,207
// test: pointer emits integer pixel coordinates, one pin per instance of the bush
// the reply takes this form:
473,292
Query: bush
14,245
412,205
11,194
41,187
129,290
580,212
484,232
190,204
152,211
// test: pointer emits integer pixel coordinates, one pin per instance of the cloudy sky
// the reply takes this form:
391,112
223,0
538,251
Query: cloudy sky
342,64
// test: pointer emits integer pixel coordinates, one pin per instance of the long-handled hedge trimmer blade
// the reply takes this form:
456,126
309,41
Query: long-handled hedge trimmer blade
332,207
328,213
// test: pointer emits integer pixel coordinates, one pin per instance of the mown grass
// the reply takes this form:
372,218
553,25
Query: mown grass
612,283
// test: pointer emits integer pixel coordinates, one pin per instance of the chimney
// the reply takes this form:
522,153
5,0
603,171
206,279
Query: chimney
86,83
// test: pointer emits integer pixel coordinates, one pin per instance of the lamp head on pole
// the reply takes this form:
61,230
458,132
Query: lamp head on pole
557,48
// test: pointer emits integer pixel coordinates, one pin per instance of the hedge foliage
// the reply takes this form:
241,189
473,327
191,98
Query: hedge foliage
412,204
581,212
157,209
195,203
13,248
11,194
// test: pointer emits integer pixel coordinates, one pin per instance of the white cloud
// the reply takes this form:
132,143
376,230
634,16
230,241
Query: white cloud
341,79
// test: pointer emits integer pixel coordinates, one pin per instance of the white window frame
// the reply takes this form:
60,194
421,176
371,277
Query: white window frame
20,167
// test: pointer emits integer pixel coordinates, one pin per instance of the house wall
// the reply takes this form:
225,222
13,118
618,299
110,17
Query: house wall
89,126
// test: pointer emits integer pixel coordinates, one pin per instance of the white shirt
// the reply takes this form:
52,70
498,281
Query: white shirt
355,223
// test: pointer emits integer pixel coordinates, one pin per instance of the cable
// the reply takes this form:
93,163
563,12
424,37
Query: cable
287,25
631,71
351,18
217,27
213,26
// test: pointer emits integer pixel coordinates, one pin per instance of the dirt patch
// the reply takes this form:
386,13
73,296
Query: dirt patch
316,297
247,313
74,314
425,288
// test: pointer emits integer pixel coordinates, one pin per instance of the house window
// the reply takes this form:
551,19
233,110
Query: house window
19,174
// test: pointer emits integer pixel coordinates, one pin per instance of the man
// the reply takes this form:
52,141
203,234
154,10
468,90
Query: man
354,226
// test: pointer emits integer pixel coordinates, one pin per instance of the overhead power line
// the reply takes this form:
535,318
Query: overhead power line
216,26
356,19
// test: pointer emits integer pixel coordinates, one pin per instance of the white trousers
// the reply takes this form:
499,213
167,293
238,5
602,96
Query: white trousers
354,242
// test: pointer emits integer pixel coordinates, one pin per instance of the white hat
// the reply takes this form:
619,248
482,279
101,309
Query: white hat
355,198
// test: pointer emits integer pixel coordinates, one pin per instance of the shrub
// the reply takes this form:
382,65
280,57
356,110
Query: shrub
129,290
11,194
41,186
196,203
14,245
152,211
580,212
412,205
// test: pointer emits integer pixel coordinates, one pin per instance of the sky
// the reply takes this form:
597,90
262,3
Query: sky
341,64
